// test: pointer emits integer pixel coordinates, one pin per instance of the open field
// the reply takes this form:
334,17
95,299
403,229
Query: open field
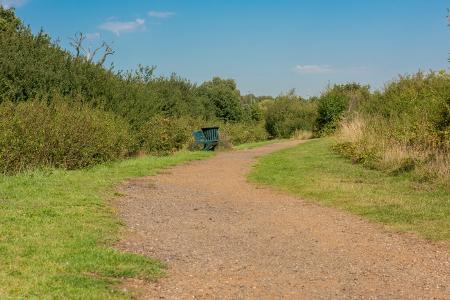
315,173
57,229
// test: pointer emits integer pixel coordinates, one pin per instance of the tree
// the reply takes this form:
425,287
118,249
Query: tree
224,96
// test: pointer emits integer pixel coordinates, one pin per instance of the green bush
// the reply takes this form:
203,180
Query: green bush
334,102
34,134
224,98
32,66
241,133
414,109
287,115
404,128
164,135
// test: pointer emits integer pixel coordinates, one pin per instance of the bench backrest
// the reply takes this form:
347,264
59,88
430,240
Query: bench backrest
199,136
211,133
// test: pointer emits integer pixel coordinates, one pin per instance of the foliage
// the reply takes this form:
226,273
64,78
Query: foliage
35,134
403,128
225,98
288,114
336,101
33,66
164,135
161,111
240,133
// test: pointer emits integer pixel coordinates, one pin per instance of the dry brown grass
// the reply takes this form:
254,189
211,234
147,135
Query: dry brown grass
393,155
351,130
302,135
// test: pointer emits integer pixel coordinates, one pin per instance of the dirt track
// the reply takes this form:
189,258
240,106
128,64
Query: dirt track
225,238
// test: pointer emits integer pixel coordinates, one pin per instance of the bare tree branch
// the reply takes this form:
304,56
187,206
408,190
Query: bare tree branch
87,53
108,51
77,43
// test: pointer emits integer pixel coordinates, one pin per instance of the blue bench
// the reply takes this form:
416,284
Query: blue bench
208,137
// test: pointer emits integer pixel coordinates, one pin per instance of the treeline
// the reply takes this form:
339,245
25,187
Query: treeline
66,110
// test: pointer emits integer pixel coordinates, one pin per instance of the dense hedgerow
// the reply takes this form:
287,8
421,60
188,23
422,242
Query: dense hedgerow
164,135
34,134
404,128
90,114
31,66
240,133
288,115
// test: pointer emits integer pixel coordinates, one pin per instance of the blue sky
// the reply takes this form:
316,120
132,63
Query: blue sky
267,46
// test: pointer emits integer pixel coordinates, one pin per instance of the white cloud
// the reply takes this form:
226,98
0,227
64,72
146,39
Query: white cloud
117,27
161,14
313,69
92,36
12,3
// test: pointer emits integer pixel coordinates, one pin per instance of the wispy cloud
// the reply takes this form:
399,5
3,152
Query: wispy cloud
118,28
12,3
313,69
161,14
92,36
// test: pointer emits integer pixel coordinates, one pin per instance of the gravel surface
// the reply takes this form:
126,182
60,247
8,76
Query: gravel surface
225,238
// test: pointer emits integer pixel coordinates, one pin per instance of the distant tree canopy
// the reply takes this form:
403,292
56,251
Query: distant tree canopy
225,98
288,114
32,66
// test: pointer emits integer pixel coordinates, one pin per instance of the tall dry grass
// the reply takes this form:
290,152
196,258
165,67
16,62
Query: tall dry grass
362,140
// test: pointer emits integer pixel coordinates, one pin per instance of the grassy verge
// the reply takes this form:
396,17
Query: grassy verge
313,171
56,231
253,145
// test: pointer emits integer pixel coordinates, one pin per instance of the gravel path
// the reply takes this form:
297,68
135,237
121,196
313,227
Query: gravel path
225,238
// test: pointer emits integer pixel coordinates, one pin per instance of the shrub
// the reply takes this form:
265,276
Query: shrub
224,97
335,102
240,133
286,116
34,134
164,135
404,128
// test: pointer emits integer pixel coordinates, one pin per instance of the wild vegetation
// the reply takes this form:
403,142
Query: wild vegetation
63,109
404,128
290,114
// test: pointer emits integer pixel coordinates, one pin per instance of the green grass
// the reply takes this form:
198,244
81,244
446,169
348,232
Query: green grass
314,172
253,145
57,228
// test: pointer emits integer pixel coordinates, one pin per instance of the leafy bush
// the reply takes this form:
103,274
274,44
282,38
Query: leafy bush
241,133
334,102
164,135
403,128
33,66
287,115
224,97
34,134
